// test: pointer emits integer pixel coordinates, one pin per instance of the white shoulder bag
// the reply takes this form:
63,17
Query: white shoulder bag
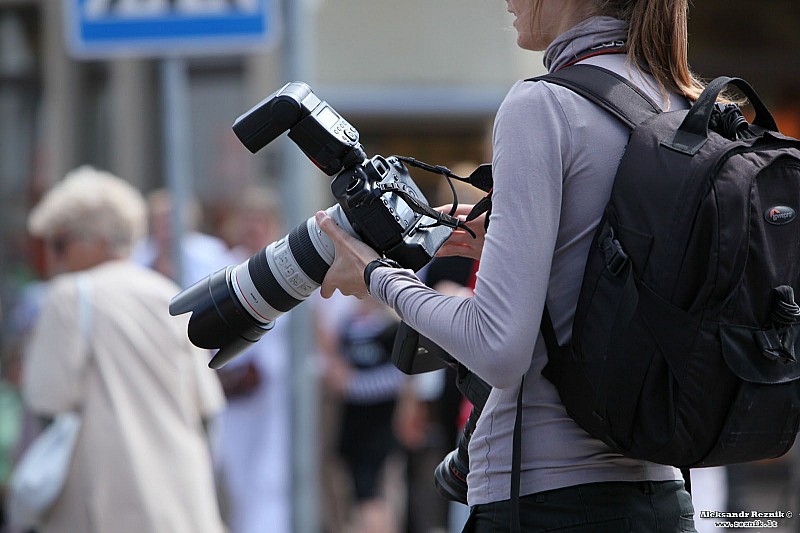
39,477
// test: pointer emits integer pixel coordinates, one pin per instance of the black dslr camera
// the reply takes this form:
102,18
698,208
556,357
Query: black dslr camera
377,202
414,353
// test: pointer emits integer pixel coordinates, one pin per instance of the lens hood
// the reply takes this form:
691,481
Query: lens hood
449,482
218,321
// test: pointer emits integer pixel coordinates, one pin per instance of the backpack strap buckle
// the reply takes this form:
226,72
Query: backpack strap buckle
778,344
618,260
615,255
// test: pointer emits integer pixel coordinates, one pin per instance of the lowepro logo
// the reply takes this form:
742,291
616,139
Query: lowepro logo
780,215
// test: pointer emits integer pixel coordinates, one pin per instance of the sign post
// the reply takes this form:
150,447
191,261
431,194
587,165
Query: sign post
299,64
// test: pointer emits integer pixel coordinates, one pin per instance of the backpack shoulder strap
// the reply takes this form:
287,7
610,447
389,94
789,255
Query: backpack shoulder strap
608,90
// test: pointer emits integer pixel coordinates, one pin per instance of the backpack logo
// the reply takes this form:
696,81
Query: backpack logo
780,215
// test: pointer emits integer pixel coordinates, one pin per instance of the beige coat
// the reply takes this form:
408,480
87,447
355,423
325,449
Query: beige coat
142,462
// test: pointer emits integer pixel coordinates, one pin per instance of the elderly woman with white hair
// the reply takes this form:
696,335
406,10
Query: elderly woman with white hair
142,461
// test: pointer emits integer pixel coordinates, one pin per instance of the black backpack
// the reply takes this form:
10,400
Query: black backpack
685,340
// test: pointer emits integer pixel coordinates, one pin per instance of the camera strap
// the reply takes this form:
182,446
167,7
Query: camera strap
484,205
480,178
516,463
443,219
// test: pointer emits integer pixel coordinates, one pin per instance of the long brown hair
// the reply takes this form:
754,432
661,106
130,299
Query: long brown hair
658,40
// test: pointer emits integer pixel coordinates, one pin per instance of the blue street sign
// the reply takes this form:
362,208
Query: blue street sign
157,28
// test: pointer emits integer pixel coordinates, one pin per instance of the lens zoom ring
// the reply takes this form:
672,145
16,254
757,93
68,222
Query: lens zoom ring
267,285
306,254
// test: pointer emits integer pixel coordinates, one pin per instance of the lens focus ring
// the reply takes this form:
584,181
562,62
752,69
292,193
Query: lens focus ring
266,284
306,254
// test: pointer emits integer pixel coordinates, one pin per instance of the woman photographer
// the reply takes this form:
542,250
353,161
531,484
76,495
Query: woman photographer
555,156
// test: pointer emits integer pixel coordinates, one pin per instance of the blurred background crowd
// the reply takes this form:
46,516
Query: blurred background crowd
324,434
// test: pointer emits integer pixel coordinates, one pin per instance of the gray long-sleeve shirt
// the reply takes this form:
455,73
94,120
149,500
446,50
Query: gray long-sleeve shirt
555,156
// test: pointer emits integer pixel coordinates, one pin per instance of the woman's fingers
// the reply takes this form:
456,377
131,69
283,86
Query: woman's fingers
462,243
351,256
330,227
461,250
462,209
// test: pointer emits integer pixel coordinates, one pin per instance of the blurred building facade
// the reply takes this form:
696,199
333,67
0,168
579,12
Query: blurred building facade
412,76
416,77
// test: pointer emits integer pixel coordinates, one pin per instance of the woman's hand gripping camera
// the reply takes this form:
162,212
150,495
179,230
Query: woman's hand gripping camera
352,256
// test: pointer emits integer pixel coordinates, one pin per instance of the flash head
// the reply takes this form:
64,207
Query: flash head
327,139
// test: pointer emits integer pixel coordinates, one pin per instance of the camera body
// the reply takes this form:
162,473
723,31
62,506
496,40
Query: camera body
414,353
385,221
365,189
377,202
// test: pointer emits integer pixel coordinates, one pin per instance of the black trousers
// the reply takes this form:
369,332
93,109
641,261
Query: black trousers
612,507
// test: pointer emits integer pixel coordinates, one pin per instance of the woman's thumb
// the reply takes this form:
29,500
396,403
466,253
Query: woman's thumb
328,225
